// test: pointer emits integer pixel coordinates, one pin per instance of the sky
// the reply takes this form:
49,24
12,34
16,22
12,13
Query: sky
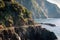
57,2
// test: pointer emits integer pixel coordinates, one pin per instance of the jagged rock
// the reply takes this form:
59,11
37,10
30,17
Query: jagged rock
9,35
29,33
35,33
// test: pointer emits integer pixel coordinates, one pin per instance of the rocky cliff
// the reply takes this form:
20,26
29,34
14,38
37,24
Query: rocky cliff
16,23
29,33
41,8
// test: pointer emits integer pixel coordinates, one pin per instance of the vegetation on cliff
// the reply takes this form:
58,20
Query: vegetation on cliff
13,13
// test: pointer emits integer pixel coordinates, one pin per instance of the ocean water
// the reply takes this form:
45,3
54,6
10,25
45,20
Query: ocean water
55,21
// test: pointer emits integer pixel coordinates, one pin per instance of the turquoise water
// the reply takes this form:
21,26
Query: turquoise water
55,21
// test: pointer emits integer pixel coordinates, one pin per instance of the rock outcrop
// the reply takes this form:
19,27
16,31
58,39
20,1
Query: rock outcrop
9,35
35,33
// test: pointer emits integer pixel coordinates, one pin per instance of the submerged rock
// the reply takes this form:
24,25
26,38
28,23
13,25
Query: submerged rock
53,25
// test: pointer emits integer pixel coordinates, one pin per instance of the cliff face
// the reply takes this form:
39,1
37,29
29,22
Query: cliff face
13,17
32,6
52,10
41,8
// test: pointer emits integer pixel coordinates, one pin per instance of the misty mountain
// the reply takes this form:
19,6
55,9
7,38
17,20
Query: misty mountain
52,10
41,8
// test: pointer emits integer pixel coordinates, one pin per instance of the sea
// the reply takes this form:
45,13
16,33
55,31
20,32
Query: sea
55,29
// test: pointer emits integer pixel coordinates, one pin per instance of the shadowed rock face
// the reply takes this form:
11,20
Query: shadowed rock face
8,35
29,33
35,33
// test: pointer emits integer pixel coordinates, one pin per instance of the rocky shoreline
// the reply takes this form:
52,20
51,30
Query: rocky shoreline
29,33
12,16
